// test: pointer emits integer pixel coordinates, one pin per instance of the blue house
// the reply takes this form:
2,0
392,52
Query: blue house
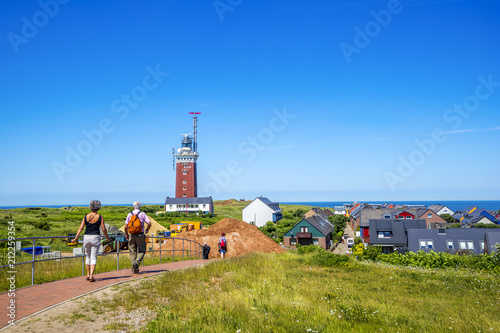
472,215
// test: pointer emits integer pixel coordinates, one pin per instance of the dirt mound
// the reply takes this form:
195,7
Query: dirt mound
242,238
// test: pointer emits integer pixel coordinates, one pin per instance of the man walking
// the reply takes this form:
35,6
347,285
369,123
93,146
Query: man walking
206,250
136,235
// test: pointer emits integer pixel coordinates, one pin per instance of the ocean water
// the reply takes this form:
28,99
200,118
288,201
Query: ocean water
452,204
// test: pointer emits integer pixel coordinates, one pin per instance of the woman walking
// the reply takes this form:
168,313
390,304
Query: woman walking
92,238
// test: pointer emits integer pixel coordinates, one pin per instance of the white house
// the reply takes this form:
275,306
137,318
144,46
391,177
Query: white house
339,210
440,209
262,210
189,205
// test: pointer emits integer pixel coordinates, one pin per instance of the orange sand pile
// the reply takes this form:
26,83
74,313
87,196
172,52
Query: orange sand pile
242,238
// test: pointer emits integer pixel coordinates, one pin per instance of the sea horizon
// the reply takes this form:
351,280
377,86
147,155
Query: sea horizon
452,204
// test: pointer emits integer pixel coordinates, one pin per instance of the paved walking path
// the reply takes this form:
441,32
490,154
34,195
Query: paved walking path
37,298
342,247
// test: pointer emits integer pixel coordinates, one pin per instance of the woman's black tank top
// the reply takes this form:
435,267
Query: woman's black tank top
93,228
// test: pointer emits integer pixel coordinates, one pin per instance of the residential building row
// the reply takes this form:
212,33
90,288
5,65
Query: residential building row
393,228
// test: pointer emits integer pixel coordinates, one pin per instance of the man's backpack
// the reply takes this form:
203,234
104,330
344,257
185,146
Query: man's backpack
134,224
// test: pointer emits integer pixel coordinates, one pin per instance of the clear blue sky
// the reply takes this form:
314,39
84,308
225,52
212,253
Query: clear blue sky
300,100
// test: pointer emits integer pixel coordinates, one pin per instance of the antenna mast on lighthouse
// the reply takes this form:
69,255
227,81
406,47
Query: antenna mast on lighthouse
195,130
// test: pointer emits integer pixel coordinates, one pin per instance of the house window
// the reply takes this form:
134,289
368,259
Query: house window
449,244
426,244
315,241
429,216
462,245
304,229
470,245
384,234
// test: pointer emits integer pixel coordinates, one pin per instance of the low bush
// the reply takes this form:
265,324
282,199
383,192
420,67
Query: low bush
44,225
308,249
441,260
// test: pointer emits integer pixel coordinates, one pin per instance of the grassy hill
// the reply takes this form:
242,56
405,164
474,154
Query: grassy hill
44,222
319,292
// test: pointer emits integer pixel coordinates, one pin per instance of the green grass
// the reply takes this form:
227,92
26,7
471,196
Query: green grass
296,293
48,222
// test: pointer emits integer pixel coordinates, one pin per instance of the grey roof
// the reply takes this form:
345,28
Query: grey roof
323,225
440,237
357,211
319,211
437,208
189,201
328,212
265,200
370,214
374,214
469,208
275,206
478,218
398,229
422,211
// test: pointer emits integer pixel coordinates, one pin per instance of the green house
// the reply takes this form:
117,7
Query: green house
314,230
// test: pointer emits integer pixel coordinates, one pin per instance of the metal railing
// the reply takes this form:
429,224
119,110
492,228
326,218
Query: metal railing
195,250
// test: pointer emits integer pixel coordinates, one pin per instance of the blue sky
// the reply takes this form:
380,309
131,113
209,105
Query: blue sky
300,100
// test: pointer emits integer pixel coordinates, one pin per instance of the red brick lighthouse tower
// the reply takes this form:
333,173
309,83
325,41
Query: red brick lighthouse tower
186,180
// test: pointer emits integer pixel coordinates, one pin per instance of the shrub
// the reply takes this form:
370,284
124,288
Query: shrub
441,260
487,226
338,236
358,249
44,225
448,218
309,249
495,256
372,252
327,259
